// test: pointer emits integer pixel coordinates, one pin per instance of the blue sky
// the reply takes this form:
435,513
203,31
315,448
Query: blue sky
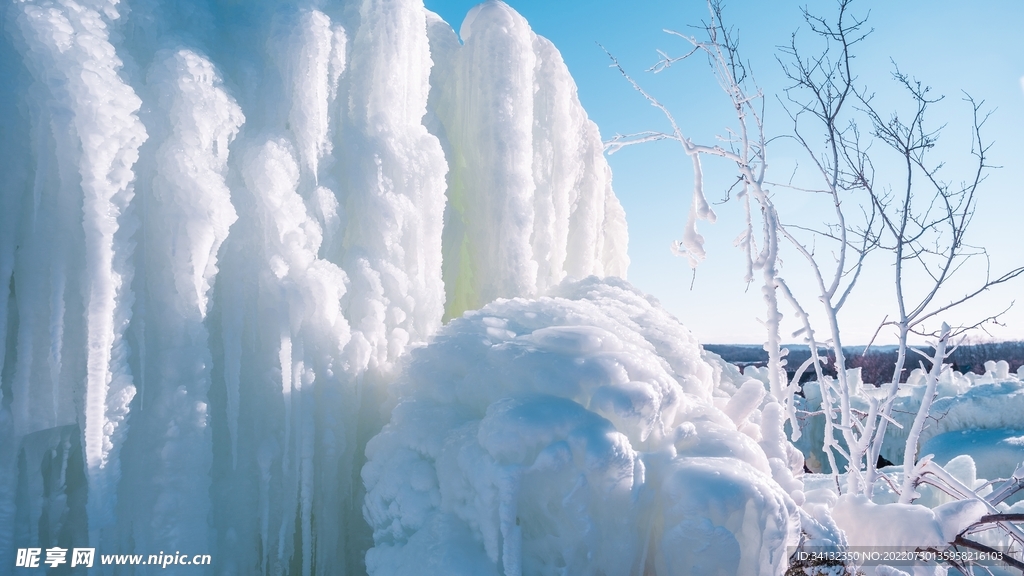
946,44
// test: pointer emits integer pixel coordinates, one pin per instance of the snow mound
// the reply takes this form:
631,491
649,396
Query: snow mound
572,434
907,526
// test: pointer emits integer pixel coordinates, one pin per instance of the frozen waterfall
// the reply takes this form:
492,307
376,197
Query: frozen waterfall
223,226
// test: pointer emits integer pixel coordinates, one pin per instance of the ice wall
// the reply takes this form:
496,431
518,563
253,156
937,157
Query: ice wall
224,224
963,402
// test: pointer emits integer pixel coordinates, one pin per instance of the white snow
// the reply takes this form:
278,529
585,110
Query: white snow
906,526
573,434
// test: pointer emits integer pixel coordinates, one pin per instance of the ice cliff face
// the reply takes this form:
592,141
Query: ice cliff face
223,224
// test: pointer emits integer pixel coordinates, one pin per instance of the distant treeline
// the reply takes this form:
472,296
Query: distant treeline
876,366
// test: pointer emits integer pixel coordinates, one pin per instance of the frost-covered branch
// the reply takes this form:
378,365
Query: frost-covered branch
1010,561
1012,485
927,471
926,228
908,494
747,149
818,103
916,217
692,245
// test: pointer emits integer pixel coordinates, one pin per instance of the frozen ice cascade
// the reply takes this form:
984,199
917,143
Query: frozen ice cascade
231,234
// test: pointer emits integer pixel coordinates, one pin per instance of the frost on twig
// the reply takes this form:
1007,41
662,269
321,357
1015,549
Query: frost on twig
747,151
692,244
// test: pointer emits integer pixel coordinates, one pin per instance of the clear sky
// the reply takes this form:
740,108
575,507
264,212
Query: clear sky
946,44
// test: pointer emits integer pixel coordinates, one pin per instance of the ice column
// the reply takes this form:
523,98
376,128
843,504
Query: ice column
289,398
187,213
394,182
221,230
529,190
92,119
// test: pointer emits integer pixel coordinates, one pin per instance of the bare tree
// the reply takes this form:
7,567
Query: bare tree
923,227
917,217
820,105
926,220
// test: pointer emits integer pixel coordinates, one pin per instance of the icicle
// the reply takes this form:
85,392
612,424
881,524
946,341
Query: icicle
508,517
311,70
231,339
63,41
287,520
306,467
394,200
530,198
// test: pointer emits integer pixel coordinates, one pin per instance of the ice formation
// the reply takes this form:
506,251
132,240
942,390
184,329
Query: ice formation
967,407
994,452
523,154
231,234
221,227
973,433
573,434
